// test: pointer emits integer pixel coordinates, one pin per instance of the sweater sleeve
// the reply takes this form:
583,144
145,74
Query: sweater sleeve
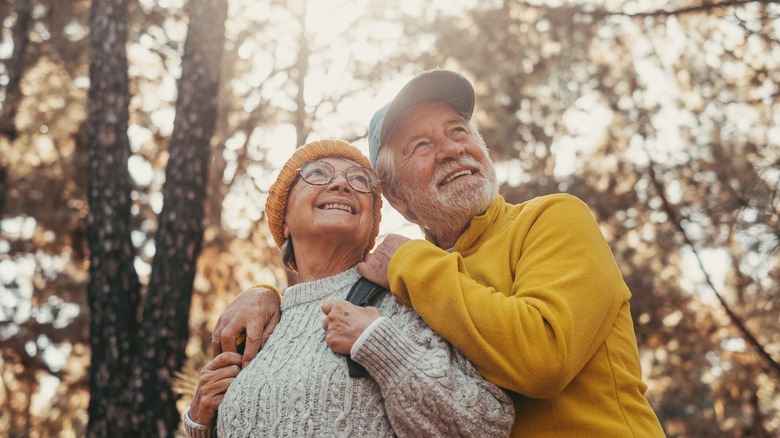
429,388
195,430
528,311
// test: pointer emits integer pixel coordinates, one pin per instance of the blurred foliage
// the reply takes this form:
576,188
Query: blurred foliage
662,116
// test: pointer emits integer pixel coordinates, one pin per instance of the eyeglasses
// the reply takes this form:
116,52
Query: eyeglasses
321,173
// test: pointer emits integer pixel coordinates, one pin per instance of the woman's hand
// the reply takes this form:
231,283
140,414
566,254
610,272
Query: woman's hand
215,378
345,322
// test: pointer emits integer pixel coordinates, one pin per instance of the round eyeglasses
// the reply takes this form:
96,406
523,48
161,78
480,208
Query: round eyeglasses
320,173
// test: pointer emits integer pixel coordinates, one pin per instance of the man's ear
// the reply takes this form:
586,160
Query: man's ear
399,204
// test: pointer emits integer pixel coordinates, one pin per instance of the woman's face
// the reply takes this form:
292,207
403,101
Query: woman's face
333,209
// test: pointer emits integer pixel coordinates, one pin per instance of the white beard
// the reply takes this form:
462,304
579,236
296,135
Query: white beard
444,212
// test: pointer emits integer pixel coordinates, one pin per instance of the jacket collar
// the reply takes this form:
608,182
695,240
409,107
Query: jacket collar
477,226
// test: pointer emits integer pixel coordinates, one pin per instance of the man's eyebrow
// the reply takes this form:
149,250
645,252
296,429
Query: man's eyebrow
411,139
455,119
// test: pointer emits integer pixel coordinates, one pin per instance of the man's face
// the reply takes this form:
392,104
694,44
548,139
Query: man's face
443,174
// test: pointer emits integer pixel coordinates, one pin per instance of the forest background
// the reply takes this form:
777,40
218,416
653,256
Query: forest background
138,140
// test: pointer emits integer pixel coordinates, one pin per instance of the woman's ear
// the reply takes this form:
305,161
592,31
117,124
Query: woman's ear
285,231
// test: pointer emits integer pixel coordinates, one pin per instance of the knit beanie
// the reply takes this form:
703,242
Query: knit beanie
276,204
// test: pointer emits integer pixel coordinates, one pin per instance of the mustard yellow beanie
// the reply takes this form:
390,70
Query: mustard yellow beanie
276,204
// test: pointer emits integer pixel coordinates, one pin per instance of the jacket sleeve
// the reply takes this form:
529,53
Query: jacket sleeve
529,312
430,389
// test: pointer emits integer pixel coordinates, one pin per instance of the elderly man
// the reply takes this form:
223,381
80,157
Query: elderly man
530,293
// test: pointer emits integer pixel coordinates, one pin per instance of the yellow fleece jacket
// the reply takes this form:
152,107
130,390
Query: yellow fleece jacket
532,295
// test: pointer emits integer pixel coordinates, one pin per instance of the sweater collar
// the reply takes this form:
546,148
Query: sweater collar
320,289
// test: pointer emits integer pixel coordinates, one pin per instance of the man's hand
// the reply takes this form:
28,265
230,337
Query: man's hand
374,267
215,378
344,322
256,313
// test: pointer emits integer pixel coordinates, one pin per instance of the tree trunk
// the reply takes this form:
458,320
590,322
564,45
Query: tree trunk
164,331
13,90
113,289
15,67
3,187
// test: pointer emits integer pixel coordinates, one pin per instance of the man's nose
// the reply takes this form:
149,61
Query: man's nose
449,150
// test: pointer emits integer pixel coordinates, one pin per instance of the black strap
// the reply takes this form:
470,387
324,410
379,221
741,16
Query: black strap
362,294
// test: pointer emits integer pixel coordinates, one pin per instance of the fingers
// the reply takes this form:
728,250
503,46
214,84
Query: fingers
259,329
226,332
215,378
254,342
269,328
374,269
376,263
230,334
328,307
216,338
223,360
364,269
344,323
217,375
260,304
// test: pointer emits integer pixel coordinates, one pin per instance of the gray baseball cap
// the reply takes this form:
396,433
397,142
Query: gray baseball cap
445,85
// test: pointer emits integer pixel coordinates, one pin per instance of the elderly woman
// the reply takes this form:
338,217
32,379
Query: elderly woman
324,212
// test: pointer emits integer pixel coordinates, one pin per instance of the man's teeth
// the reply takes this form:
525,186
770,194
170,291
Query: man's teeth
346,208
457,174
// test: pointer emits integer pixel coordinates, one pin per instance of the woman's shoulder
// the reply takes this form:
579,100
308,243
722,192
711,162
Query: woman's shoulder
404,316
421,334
386,302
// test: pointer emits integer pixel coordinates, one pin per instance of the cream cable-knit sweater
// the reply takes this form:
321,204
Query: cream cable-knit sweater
298,387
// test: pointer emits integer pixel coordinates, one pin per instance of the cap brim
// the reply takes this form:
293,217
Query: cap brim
444,85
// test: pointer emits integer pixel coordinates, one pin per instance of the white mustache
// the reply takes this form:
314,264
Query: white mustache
443,170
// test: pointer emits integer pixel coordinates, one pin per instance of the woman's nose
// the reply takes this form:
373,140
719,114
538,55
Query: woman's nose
339,181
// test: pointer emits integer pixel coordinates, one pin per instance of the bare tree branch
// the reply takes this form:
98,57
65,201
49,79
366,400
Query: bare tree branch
704,6
735,319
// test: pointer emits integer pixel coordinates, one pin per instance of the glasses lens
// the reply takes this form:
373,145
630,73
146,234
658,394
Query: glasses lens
360,179
317,173
320,173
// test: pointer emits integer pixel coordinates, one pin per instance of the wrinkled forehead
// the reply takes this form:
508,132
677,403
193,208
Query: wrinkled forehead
338,162
421,115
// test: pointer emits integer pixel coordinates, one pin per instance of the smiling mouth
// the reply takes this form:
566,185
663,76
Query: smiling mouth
458,174
341,207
